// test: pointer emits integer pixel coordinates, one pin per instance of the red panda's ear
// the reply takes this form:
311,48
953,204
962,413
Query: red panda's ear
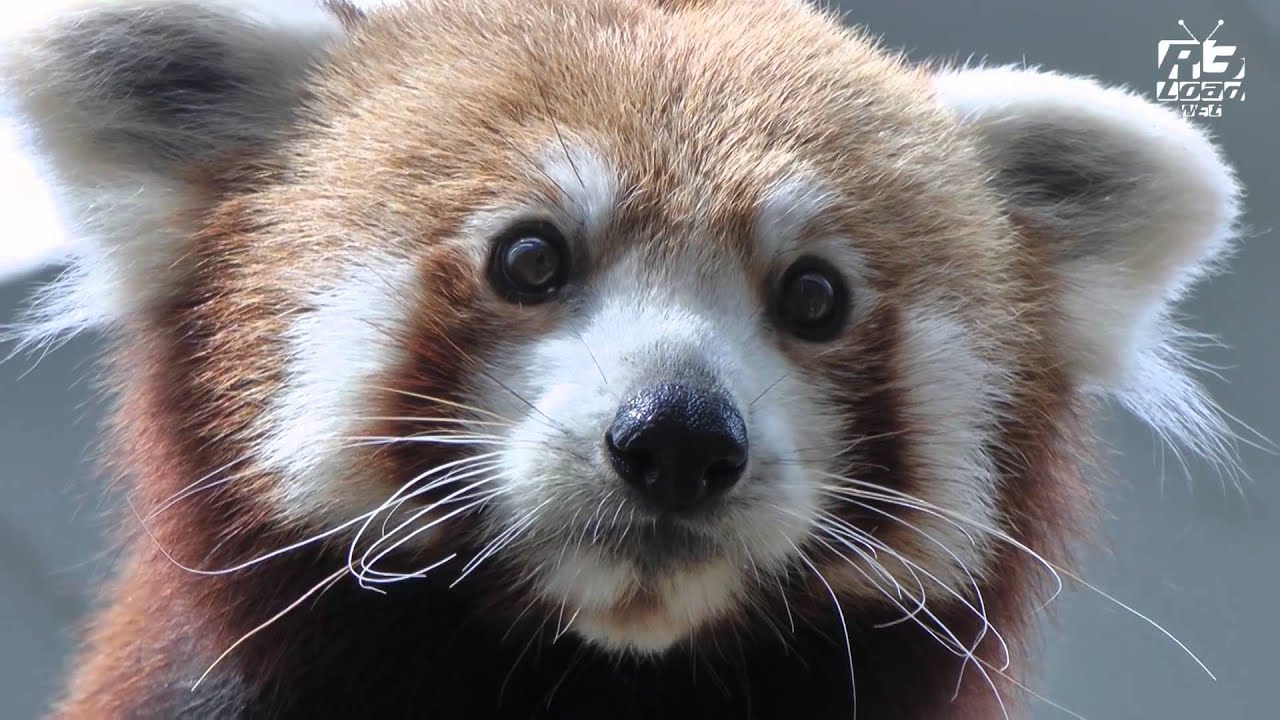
124,101
1135,203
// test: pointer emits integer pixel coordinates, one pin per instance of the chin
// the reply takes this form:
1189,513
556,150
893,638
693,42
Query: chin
622,609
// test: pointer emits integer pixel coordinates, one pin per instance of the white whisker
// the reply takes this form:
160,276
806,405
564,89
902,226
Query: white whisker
495,546
204,483
844,627
979,611
318,587
1055,570
366,564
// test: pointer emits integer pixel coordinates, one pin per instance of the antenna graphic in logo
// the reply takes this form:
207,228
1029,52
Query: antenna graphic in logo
1200,75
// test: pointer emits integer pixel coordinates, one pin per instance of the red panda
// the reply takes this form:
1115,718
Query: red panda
597,358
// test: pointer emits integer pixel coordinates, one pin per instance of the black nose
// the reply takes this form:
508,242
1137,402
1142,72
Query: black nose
679,445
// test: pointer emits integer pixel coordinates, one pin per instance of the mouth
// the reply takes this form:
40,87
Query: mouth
660,545
665,586
661,611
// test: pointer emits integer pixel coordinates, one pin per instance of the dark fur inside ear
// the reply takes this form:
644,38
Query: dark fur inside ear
160,83
176,91
1100,173
125,102
1060,177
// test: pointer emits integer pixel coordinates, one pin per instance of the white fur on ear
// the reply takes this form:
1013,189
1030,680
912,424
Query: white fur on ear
121,100
1138,205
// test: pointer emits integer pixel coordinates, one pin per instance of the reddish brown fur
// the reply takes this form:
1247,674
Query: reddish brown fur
769,87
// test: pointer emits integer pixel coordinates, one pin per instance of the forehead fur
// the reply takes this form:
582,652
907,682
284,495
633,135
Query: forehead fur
700,108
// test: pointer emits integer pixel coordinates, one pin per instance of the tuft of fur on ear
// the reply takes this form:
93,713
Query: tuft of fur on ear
122,102
1136,203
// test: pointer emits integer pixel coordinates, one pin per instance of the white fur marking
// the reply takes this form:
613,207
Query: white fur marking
645,324
587,185
595,593
789,208
335,352
950,404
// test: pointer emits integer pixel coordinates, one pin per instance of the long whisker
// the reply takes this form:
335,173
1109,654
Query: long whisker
1021,686
592,356
248,563
1053,568
844,449
369,575
458,474
435,439
207,482
782,592
366,564
502,541
481,371
868,554
950,642
771,386
901,499
849,535
319,587
432,420
844,627
399,496
331,532
979,611
200,485
561,632
416,574
447,402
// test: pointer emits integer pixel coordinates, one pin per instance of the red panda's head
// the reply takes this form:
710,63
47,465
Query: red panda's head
655,316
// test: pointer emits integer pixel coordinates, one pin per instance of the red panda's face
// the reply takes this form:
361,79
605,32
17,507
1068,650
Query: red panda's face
642,333
652,317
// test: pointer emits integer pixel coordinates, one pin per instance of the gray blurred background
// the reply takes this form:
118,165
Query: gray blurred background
1187,549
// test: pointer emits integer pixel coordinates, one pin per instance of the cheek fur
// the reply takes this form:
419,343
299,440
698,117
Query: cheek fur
428,364
952,396
433,419
376,377
350,336
922,409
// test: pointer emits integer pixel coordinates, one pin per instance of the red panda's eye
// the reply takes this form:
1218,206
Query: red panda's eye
812,301
529,262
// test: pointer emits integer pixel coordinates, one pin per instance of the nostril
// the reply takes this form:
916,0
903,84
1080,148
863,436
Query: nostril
722,475
635,464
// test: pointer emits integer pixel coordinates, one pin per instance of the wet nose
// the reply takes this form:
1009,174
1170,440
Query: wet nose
679,445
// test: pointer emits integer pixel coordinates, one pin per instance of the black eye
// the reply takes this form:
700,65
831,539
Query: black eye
812,300
530,262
